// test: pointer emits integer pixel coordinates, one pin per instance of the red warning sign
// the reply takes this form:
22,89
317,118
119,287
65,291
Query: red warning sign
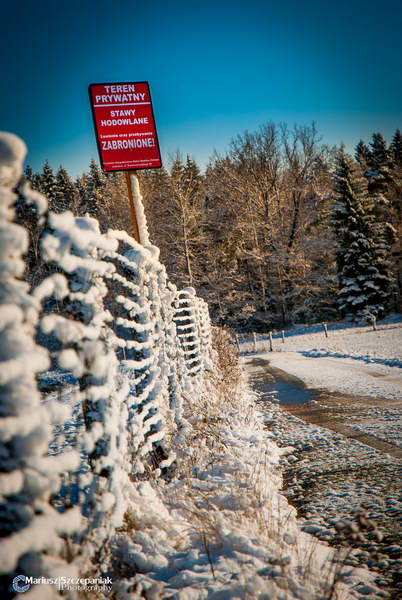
125,126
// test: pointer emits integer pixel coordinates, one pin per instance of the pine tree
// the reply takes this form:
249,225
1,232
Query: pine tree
67,194
380,154
48,185
395,207
95,202
396,148
379,165
362,153
81,187
363,244
28,173
33,178
28,216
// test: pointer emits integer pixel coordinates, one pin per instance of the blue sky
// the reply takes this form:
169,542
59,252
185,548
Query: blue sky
215,69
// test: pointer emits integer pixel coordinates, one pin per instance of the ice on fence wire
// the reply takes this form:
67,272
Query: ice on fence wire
29,476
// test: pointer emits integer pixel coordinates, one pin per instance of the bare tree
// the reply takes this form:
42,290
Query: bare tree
175,204
277,181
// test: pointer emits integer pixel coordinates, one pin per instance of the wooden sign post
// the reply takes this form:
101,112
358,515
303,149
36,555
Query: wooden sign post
132,206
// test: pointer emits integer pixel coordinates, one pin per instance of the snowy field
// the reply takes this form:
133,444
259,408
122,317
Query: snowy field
224,530
330,475
351,360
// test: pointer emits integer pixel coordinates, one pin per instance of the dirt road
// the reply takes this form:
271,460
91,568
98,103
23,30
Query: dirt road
337,469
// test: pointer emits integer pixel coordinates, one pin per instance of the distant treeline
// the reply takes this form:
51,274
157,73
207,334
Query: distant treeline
279,230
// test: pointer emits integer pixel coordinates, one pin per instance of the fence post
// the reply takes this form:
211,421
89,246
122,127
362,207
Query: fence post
374,320
283,336
237,342
270,341
325,329
255,341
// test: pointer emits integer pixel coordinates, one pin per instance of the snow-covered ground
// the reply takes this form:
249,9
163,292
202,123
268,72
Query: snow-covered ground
330,478
351,360
223,530
347,441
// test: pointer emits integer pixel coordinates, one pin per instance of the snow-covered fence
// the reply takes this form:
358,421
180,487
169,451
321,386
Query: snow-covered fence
87,350
135,346
146,335
194,329
30,542
119,339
